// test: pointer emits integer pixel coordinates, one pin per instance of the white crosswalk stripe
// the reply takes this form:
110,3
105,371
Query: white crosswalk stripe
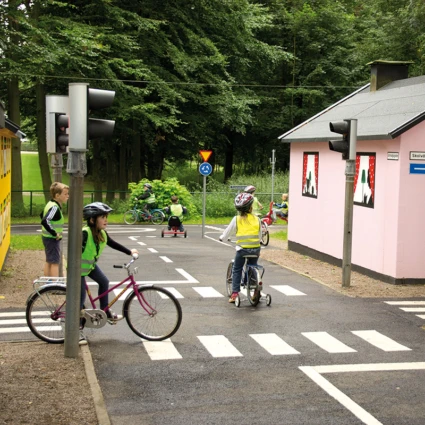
161,350
273,344
328,343
219,346
208,292
287,290
380,341
414,306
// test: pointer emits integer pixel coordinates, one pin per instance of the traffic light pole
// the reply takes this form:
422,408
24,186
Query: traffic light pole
273,162
76,168
350,171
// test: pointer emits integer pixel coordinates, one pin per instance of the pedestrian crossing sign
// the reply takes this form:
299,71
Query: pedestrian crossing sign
205,154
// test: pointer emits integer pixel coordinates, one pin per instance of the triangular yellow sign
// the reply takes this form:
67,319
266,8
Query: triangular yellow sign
205,155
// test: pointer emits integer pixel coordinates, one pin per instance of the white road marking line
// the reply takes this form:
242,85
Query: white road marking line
214,228
22,313
275,345
380,341
216,240
186,275
287,290
133,238
27,329
338,395
405,302
207,292
421,316
166,259
141,243
413,309
24,321
174,291
161,350
153,250
219,346
328,342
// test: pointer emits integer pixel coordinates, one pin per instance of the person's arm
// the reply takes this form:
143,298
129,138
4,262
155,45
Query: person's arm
115,245
52,214
229,230
84,240
144,195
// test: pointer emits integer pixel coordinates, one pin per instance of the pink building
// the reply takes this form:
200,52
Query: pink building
389,193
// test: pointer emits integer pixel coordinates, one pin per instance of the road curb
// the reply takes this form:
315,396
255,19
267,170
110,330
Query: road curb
99,402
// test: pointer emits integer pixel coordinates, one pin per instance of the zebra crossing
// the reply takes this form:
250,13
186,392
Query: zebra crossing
221,346
410,307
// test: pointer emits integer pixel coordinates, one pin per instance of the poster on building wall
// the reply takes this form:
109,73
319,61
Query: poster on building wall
310,174
364,180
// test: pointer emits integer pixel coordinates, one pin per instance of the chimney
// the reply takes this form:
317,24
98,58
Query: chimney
384,72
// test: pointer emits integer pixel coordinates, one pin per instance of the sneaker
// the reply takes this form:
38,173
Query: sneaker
83,340
233,297
113,317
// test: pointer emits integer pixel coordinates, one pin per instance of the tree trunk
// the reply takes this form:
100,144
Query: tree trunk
156,157
123,182
43,159
97,170
110,172
135,152
228,162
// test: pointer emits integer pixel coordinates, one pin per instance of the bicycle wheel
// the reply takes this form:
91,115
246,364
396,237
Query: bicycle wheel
130,217
46,313
253,287
264,234
157,317
229,279
157,217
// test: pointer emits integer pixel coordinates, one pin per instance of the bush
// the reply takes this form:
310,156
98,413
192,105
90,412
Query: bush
163,191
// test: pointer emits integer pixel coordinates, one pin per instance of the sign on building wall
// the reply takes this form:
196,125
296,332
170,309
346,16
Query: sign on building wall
364,180
310,174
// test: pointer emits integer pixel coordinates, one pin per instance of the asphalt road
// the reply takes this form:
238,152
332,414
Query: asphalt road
312,357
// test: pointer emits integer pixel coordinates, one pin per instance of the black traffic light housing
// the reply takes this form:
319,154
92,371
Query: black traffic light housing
342,146
99,99
61,138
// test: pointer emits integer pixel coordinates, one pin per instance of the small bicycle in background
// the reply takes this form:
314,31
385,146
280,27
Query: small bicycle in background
151,312
251,284
156,216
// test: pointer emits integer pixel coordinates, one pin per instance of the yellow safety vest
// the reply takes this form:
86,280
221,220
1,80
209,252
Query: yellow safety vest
247,230
57,225
91,251
177,210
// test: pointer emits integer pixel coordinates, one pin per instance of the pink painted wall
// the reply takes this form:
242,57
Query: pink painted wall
388,238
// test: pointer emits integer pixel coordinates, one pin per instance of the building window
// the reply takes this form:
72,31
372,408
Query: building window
364,180
310,174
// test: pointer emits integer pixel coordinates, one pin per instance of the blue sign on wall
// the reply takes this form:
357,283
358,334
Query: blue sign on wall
417,168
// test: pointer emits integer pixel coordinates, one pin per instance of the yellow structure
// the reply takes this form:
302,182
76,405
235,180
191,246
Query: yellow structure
6,136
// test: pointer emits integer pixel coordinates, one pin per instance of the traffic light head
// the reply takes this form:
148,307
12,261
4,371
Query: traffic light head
61,138
83,100
342,146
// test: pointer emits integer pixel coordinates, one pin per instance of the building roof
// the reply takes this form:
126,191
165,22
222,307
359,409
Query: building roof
382,114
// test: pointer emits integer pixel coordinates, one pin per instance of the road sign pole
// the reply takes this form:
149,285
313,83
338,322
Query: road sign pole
204,204
273,162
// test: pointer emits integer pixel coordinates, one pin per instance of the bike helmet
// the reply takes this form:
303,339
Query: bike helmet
243,202
149,186
95,209
249,189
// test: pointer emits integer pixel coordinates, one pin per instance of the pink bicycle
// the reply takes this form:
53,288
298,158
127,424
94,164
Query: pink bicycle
151,312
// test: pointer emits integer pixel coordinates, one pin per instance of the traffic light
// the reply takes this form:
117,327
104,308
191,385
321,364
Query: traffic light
61,138
57,121
84,100
343,146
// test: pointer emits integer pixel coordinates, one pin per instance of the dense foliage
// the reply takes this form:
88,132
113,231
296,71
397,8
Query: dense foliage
226,75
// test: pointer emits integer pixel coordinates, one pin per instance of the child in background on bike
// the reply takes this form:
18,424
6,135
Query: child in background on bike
247,227
281,210
95,239
256,206
52,227
177,210
149,197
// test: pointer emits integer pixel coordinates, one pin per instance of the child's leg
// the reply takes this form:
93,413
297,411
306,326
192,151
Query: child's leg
83,292
99,277
237,270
